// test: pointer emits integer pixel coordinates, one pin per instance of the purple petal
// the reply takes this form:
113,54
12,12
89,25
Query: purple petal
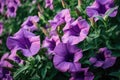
61,49
109,62
64,66
75,67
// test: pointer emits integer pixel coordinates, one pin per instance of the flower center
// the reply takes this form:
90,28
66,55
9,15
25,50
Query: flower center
69,58
25,43
75,30
52,45
12,9
29,23
5,71
17,59
100,56
102,9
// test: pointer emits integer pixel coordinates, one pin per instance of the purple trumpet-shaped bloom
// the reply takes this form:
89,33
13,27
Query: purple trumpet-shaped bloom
11,9
67,57
30,23
24,41
82,74
61,17
51,43
3,61
2,4
103,59
1,28
76,31
49,3
17,2
100,7
5,74
14,57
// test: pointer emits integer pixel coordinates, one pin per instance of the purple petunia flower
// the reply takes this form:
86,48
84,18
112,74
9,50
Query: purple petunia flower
103,59
2,4
30,23
14,57
82,74
100,7
61,17
49,3
50,44
66,57
17,2
3,61
5,74
11,9
1,28
24,41
76,31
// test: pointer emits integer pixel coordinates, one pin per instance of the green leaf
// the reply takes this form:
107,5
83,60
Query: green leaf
116,74
19,71
35,77
43,72
112,29
110,11
100,18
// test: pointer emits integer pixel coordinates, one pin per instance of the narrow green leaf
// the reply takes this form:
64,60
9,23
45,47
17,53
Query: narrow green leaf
116,74
43,72
110,11
20,71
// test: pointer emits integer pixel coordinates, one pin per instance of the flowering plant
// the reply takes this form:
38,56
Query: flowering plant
59,40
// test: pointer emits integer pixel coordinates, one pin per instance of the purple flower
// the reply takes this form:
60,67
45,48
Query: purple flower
5,74
76,31
103,59
17,2
14,57
30,23
82,74
1,28
50,44
49,3
2,4
11,9
66,57
24,41
100,7
61,17
3,61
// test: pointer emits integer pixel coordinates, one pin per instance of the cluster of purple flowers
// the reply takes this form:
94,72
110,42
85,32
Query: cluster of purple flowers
5,73
11,5
100,8
66,55
25,41
65,32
